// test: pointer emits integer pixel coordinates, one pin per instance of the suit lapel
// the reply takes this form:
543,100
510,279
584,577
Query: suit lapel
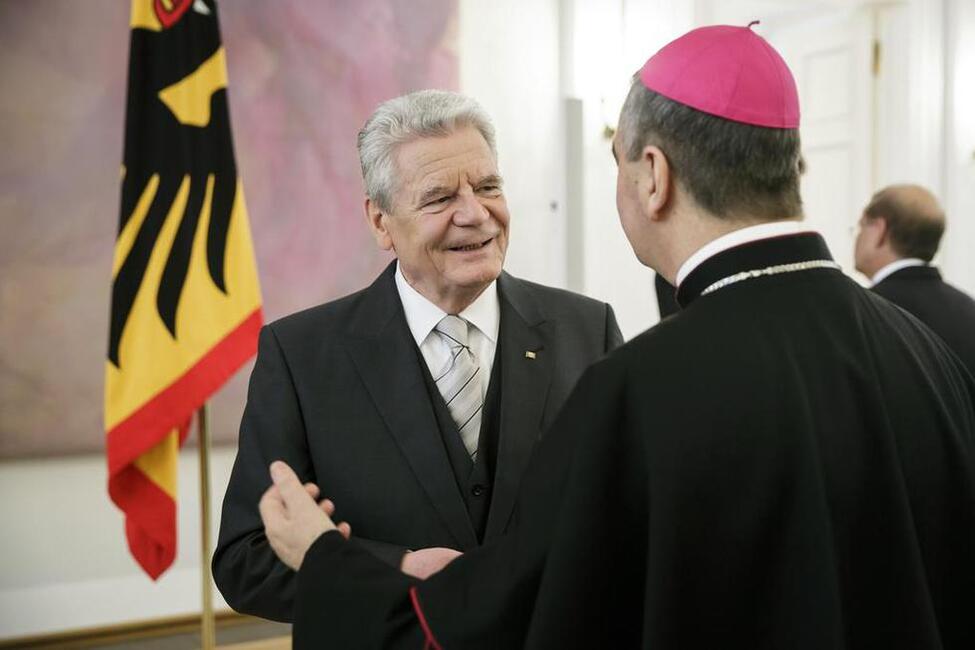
384,354
525,382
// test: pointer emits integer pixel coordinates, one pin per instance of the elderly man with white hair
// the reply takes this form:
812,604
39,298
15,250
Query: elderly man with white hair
416,402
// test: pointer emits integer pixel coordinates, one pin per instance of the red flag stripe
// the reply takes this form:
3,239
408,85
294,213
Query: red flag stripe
150,519
139,432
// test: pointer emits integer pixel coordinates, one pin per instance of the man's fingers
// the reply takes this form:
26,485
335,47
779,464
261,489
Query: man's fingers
345,529
285,479
271,506
312,490
327,507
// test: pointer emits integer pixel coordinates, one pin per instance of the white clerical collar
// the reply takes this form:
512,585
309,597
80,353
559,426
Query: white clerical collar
894,267
422,315
737,238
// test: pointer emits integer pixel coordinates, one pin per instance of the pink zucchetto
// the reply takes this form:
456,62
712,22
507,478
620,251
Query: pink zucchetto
730,72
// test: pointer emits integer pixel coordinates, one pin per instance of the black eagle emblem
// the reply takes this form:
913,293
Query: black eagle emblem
160,142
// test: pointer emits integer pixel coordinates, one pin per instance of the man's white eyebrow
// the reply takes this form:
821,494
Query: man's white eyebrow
433,192
494,179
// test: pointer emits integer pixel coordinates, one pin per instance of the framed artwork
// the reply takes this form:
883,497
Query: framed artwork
304,76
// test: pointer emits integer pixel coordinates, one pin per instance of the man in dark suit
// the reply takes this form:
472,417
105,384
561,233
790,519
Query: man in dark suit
786,462
415,403
900,231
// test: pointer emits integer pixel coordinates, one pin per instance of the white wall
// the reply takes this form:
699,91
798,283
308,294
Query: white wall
958,258
910,89
509,61
604,42
64,563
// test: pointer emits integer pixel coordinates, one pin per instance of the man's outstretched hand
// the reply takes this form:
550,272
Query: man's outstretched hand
424,562
292,519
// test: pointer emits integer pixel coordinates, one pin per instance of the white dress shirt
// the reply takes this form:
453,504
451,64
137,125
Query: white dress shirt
737,238
893,267
422,316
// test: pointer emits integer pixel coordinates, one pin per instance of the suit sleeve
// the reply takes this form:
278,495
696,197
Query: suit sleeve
245,568
614,338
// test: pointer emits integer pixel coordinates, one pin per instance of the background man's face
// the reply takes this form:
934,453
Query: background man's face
869,232
449,226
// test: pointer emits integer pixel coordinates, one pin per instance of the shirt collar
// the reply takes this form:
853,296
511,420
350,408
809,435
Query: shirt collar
485,312
422,315
894,267
737,238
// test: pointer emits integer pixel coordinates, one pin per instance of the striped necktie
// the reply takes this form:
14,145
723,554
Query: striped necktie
460,381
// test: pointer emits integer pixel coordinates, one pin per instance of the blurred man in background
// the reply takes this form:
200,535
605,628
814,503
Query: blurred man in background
900,231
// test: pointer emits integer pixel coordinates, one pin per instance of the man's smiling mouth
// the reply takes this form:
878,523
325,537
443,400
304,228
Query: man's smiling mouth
471,247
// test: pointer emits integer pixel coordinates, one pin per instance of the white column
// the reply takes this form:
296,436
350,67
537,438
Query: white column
509,62
910,89
958,260
604,42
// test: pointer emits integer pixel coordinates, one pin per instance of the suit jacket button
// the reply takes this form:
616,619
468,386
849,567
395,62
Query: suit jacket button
478,490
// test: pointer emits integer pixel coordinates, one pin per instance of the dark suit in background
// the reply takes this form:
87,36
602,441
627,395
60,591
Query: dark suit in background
946,310
341,393
666,296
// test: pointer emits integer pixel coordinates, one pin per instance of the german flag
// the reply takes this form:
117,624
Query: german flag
186,305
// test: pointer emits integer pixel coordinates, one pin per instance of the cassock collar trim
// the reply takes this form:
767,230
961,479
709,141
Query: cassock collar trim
786,249
737,238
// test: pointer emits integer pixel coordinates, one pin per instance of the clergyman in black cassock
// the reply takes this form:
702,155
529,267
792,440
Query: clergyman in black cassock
787,462
666,296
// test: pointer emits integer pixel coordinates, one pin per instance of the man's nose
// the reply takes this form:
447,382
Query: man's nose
470,211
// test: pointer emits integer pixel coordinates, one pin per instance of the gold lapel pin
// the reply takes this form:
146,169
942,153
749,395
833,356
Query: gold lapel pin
529,354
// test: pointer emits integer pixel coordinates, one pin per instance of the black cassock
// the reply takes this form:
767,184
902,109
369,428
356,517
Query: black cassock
788,462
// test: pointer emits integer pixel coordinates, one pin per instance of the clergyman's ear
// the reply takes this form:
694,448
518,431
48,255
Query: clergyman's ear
659,189
376,219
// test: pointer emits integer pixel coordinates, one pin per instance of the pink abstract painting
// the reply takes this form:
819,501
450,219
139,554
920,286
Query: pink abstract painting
304,76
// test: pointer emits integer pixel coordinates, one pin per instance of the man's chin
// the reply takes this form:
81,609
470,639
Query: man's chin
476,278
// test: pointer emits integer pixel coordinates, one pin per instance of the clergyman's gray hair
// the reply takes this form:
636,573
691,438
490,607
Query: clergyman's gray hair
735,171
421,114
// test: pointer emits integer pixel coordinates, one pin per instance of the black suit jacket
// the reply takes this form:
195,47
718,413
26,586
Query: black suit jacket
339,394
946,310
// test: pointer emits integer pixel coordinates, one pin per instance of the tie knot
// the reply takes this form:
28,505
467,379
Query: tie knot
454,328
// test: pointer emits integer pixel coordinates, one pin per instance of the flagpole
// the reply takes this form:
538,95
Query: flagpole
207,625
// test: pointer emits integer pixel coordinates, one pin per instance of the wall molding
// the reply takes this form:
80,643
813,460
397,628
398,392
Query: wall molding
121,632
